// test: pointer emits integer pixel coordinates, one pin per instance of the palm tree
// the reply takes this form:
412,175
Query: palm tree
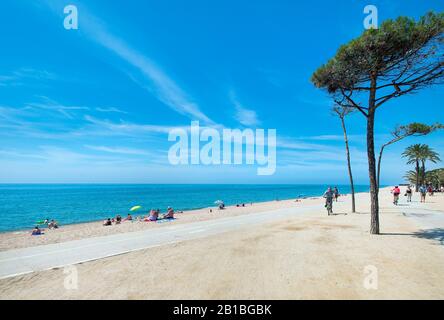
436,177
430,155
418,154
401,132
410,176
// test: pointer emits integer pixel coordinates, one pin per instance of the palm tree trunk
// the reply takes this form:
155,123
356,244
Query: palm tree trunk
347,150
423,172
417,176
374,204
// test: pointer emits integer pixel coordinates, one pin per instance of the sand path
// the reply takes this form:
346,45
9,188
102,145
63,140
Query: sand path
58,255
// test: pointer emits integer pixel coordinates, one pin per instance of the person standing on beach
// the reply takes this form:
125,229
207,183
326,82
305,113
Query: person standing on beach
408,193
336,192
423,192
430,190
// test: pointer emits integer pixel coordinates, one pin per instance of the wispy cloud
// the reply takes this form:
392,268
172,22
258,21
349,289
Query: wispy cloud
162,85
245,116
334,137
129,127
110,110
20,76
119,150
42,121
66,111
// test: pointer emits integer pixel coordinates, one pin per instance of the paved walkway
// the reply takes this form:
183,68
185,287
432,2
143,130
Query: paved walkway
26,260
423,216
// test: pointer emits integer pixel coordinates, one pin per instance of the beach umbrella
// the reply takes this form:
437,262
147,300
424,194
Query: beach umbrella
135,208
218,202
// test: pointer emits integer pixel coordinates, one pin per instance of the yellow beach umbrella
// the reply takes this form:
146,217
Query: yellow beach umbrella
135,208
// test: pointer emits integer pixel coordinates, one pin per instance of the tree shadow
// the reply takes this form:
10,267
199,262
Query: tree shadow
436,234
390,211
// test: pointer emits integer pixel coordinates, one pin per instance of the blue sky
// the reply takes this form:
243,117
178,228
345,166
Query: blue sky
96,104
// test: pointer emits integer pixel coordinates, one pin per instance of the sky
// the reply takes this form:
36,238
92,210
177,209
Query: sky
96,104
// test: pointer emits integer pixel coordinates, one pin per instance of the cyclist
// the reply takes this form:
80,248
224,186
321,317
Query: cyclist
396,192
328,195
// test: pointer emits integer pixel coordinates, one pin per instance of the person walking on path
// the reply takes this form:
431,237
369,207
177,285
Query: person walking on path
423,192
408,193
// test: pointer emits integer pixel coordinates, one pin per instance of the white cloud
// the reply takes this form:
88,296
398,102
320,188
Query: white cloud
129,127
119,150
246,117
165,88
110,110
20,76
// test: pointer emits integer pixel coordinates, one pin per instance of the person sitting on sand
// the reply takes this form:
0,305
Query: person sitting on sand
107,222
129,217
154,215
53,224
36,231
118,219
170,214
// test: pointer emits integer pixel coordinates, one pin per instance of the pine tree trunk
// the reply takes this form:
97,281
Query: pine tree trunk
347,150
379,165
374,201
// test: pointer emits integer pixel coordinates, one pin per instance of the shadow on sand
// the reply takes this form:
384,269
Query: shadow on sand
436,234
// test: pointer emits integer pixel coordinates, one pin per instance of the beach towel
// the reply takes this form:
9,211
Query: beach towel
165,220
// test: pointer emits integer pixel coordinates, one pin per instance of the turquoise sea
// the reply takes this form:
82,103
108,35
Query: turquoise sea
22,205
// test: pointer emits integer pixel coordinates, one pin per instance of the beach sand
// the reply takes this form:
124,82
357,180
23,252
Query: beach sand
22,239
308,256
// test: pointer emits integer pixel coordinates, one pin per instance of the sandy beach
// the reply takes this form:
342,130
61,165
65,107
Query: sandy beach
308,256
21,239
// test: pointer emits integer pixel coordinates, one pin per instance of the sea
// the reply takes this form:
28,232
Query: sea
22,206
